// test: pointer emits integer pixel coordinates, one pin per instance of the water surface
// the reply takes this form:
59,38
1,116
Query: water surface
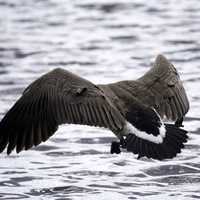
103,41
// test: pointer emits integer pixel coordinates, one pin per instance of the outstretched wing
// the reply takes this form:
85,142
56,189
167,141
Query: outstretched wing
160,88
166,92
57,97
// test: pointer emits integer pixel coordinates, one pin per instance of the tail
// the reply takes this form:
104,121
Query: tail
172,144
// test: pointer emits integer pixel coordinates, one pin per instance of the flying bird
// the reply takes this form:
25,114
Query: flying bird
132,109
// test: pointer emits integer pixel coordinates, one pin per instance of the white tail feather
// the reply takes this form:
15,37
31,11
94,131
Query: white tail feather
130,129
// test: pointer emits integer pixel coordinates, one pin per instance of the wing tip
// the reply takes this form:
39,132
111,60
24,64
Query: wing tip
161,61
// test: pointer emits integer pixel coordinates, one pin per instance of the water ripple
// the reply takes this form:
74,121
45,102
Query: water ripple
103,42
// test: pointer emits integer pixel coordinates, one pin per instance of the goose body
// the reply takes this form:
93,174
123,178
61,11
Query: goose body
132,110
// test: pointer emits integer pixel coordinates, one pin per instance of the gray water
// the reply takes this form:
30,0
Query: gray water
103,41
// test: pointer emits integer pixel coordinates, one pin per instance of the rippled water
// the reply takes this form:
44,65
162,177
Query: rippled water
104,41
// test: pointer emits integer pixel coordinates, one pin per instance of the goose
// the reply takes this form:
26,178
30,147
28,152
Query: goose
134,110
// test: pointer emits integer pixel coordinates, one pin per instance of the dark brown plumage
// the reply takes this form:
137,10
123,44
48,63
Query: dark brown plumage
160,88
60,97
